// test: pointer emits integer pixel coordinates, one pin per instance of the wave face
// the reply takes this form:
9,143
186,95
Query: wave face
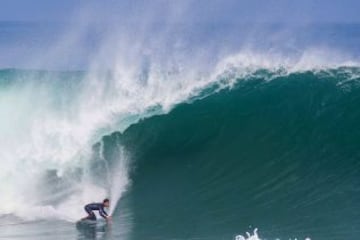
279,155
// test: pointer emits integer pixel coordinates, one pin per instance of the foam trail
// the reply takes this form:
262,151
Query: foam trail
116,174
255,236
249,236
119,179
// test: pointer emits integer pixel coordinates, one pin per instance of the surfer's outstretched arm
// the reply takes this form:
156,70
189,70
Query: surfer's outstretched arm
103,213
106,203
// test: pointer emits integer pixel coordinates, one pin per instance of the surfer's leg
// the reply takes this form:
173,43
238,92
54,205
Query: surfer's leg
91,215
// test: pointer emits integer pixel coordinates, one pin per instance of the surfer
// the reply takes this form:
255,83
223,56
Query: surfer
89,208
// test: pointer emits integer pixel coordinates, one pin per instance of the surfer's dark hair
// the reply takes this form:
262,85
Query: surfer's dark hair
106,200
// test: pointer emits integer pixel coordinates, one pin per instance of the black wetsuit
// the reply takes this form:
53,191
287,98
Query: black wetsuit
95,207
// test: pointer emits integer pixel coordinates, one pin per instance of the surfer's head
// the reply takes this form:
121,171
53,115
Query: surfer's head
106,202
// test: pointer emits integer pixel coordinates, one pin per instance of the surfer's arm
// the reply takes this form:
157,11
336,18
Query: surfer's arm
103,213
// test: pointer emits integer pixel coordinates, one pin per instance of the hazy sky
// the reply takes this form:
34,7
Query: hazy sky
297,11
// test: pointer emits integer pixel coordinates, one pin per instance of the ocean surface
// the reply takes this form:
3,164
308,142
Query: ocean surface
245,138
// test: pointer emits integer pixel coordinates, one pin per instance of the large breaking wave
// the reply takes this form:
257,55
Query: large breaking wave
242,149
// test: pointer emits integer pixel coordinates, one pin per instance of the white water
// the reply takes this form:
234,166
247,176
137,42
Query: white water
46,128
255,236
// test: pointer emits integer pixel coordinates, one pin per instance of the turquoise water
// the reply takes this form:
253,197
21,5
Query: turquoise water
251,141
